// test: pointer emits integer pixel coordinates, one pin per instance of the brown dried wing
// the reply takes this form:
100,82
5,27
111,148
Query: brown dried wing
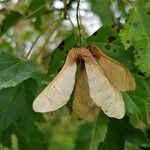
83,105
102,92
118,75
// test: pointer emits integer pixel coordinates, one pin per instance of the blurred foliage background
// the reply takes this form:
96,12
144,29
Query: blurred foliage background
35,38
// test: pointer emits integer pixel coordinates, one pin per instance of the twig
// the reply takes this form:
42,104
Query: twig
74,27
65,9
34,12
45,44
78,23
30,50
67,6
72,24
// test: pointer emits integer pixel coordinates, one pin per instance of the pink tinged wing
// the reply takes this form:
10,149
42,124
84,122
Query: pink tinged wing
58,92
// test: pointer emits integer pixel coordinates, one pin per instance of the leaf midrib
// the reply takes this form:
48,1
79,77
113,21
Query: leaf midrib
10,67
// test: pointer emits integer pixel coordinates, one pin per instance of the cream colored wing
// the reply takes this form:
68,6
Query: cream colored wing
103,93
83,105
58,92
118,75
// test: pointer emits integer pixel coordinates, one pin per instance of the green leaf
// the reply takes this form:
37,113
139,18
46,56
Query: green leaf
121,130
99,131
118,132
13,71
30,137
11,19
121,7
108,40
5,47
60,53
136,33
36,4
115,136
84,136
16,110
37,8
130,146
42,77
102,9
136,136
12,103
137,101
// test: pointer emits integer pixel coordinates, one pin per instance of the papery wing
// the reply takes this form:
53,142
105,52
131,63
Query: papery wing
103,93
58,92
83,105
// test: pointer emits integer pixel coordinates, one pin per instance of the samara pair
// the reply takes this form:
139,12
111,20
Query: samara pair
99,85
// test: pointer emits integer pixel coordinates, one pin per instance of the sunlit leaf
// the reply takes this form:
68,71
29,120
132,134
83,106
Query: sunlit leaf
137,101
136,33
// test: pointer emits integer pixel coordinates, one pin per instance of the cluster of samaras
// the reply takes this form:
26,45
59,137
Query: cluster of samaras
98,86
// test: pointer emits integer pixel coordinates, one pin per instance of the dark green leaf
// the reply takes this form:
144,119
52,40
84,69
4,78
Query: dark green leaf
60,53
102,9
29,134
12,104
36,4
121,130
99,131
11,19
16,110
115,136
130,146
30,137
13,71
136,136
84,137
